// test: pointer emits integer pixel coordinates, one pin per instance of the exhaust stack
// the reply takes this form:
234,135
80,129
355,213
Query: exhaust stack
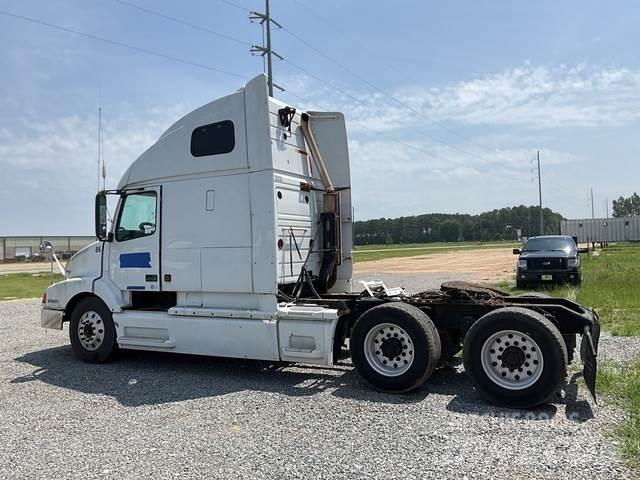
315,153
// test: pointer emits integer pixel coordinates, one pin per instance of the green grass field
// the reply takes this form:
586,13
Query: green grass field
364,253
25,285
622,382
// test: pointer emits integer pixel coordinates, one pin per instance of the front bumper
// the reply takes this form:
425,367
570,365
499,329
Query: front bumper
548,276
51,318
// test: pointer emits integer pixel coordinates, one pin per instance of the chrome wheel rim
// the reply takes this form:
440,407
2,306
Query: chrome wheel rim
512,360
389,349
91,330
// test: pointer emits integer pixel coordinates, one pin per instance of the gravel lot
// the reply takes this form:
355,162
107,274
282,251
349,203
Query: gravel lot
150,415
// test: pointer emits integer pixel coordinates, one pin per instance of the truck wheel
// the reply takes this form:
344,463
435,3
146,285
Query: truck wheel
92,332
521,285
515,357
395,347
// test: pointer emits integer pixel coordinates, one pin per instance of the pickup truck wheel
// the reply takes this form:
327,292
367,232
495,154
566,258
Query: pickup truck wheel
395,347
515,357
92,332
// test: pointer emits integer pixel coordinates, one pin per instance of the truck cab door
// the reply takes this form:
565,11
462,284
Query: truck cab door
134,256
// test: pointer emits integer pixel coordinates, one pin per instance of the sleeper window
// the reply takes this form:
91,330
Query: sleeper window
213,139
138,216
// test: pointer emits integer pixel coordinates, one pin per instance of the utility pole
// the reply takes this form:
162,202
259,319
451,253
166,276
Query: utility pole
606,224
540,195
265,20
593,212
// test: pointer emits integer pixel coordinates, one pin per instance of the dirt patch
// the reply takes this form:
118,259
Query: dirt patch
480,265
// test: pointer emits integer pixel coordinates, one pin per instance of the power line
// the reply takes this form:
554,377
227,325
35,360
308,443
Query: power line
267,51
183,22
400,102
208,67
409,126
380,90
123,45
405,144
239,7
337,29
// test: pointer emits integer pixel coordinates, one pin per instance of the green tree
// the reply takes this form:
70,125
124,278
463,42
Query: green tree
450,231
627,207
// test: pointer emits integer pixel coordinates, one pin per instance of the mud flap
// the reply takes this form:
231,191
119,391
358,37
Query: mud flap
589,355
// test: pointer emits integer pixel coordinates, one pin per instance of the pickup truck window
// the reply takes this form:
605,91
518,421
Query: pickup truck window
213,139
137,217
549,244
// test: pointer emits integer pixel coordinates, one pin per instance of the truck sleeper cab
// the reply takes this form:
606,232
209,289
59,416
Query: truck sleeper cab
232,237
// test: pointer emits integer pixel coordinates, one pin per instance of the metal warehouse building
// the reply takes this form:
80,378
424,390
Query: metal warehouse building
15,249
620,229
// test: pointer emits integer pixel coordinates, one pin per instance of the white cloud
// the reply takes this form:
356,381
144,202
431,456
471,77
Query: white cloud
50,172
536,97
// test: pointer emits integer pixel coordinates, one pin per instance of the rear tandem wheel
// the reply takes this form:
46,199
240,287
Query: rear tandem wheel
515,357
395,347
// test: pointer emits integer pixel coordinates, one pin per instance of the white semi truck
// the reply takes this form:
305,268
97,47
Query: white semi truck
232,237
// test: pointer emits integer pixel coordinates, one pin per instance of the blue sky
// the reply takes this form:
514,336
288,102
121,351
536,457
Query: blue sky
446,102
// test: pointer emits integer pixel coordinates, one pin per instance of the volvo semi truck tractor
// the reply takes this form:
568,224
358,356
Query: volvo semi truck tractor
232,237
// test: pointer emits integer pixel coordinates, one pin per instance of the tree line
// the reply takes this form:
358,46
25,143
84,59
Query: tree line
627,206
499,224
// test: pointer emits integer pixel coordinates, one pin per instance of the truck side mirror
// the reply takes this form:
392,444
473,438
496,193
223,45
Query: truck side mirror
516,251
101,216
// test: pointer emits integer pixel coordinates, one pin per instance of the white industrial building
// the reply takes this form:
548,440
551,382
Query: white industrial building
619,229
27,248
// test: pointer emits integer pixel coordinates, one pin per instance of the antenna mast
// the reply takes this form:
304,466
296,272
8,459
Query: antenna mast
99,144
265,20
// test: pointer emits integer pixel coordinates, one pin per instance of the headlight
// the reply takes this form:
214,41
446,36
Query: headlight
522,264
573,262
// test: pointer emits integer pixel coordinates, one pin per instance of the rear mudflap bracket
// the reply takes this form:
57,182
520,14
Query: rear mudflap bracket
589,354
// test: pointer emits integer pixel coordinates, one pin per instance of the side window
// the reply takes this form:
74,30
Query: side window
137,216
213,139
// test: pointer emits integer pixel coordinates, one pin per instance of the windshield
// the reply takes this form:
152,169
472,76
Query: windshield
549,244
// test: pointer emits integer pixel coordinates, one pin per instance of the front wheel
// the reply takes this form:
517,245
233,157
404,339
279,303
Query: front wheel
515,357
395,347
92,332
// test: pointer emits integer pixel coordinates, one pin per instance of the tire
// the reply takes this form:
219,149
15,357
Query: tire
537,362
411,342
520,285
92,332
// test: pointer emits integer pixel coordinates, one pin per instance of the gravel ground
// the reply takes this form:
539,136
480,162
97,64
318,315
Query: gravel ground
150,415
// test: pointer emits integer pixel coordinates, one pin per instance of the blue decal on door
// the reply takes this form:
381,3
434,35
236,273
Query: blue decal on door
135,287
135,260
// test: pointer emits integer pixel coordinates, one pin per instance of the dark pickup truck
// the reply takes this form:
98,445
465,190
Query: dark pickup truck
548,259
